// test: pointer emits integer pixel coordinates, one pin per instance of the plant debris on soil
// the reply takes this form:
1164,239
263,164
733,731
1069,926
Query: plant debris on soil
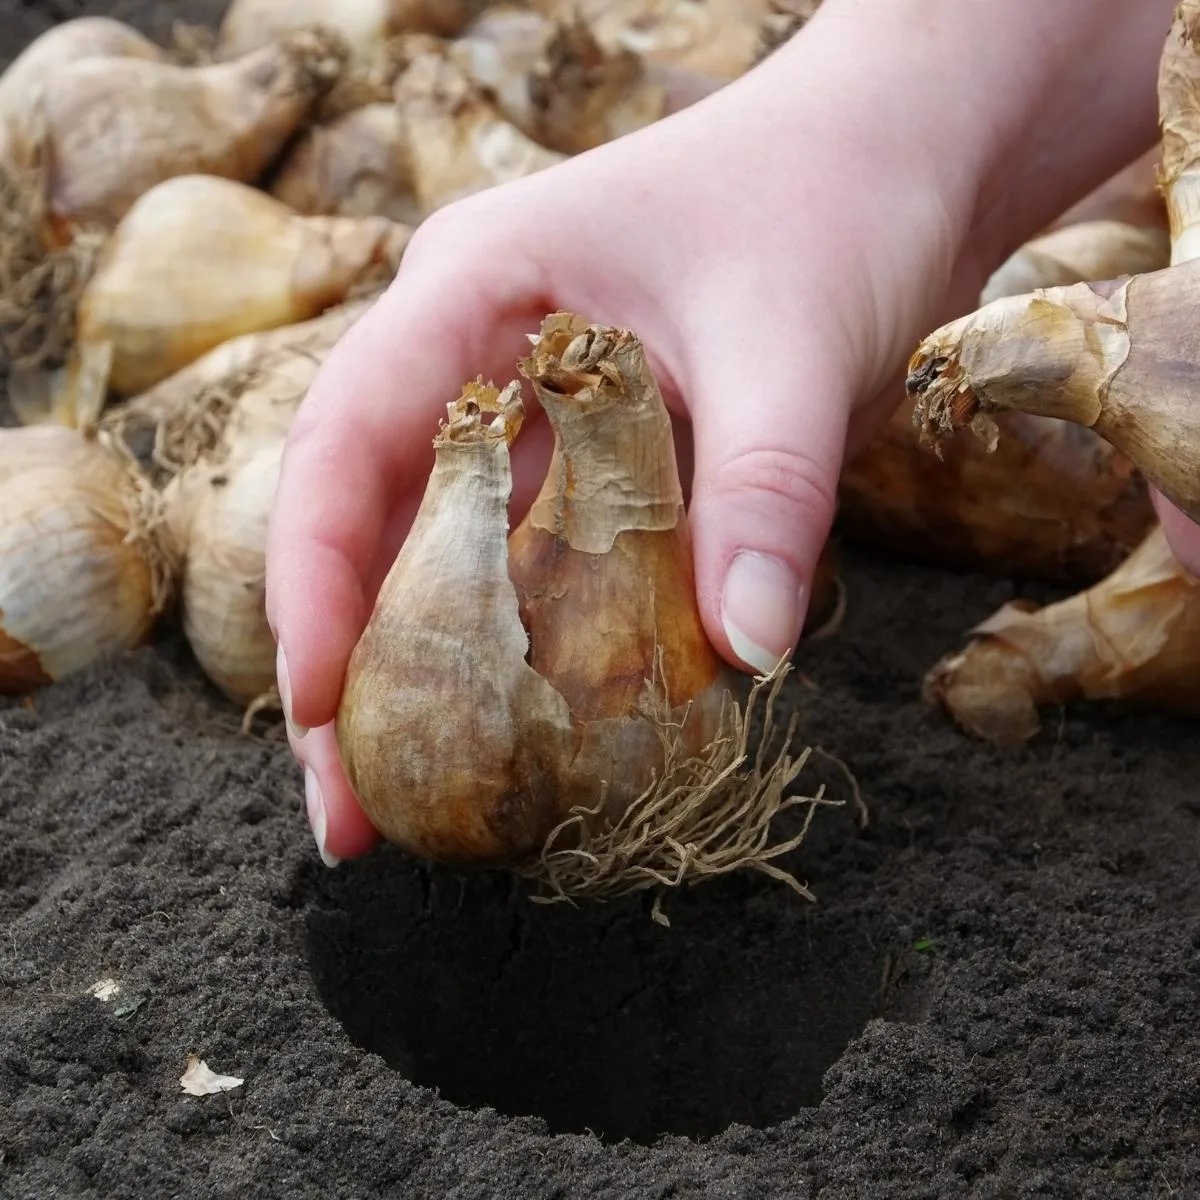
995,993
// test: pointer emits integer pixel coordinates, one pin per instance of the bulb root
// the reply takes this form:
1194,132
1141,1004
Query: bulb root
40,285
702,816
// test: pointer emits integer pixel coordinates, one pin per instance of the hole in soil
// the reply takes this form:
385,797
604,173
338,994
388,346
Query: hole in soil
596,1018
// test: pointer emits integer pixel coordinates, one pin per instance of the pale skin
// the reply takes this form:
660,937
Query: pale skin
780,247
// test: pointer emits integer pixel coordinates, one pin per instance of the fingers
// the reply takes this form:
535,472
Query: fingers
1183,534
360,449
769,430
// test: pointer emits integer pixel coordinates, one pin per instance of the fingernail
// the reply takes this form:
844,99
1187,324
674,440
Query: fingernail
285,692
760,609
314,801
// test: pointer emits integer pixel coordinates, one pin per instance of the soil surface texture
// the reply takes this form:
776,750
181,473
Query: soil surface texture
994,995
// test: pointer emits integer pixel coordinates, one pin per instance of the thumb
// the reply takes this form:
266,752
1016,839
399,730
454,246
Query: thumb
769,439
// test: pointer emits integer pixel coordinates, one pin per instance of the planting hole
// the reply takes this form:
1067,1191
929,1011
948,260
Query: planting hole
596,1018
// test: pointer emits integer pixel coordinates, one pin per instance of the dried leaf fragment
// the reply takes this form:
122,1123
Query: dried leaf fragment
200,1080
105,989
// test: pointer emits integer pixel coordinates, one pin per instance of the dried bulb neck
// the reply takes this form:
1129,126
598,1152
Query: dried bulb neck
605,545
441,667
1028,353
614,466
1105,355
461,740
464,424
320,55
571,59
576,80
373,81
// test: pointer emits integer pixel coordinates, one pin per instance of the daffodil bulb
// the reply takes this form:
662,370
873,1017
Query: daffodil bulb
84,571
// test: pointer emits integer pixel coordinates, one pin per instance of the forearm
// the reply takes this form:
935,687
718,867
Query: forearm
1016,109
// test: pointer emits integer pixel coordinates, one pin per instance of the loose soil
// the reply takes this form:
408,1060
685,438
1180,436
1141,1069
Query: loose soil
994,995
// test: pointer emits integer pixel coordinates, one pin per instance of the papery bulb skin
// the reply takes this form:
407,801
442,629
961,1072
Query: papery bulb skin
221,441
602,563
71,41
218,514
547,702
108,129
1052,501
498,51
246,389
558,84
82,575
450,740
583,95
1179,121
199,260
1117,356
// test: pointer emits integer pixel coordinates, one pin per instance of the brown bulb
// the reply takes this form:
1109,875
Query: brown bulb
1133,636
549,702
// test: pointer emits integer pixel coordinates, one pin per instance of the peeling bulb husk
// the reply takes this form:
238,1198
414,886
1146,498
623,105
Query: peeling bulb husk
1051,501
1047,498
547,700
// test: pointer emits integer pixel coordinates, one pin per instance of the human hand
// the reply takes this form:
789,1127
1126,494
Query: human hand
778,285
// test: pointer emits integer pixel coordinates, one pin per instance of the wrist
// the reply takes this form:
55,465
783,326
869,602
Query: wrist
1010,112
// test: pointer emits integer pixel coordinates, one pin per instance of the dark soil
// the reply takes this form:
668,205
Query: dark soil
995,995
